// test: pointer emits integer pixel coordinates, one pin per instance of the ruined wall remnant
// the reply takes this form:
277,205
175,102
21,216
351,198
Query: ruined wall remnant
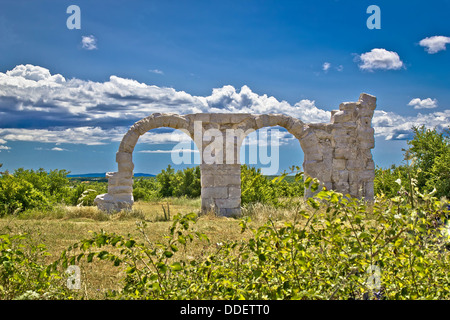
337,153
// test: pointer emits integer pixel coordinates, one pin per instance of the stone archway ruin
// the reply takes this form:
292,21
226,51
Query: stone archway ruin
337,153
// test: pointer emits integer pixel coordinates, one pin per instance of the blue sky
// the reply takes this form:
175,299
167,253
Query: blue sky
67,96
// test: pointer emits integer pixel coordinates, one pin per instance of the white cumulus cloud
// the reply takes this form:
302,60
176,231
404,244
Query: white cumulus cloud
427,103
434,44
77,111
89,42
326,66
393,126
78,135
35,73
156,71
380,59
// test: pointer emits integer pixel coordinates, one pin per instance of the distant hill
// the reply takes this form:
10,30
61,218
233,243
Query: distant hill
102,175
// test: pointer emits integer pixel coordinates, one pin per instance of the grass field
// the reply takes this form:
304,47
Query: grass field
64,226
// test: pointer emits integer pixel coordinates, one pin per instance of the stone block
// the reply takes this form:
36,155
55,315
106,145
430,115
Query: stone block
228,203
343,142
370,165
340,176
365,132
124,157
299,131
124,197
367,144
220,118
355,164
208,204
234,192
328,185
239,117
126,167
354,189
369,195
348,106
339,164
227,180
368,101
262,121
214,192
120,189
342,187
341,131
341,116
201,117
233,212
367,175
345,153
129,141
207,180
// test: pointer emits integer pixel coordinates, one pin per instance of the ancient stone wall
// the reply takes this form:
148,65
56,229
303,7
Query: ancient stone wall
337,153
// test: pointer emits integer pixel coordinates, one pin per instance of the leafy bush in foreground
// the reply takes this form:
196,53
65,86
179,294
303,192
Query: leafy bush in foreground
330,251
23,274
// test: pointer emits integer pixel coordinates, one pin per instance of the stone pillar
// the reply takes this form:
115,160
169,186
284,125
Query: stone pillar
220,167
221,188
352,139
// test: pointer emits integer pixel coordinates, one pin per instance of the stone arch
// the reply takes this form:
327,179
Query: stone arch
308,138
337,153
120,183
302,132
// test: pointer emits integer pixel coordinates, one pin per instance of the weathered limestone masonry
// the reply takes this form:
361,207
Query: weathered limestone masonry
337,153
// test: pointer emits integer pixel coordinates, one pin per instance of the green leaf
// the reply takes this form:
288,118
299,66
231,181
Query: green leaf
162,266
168,254
364,235
117,262
130,243
181,239
313,203
176,266
256,273
103,255
398,242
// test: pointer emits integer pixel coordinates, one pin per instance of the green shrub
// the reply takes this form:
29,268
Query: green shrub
17,194
54,185
23,275
84,193
329,251
257,188
145,189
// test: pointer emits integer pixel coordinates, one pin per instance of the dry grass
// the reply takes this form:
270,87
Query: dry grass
64,226
259,212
